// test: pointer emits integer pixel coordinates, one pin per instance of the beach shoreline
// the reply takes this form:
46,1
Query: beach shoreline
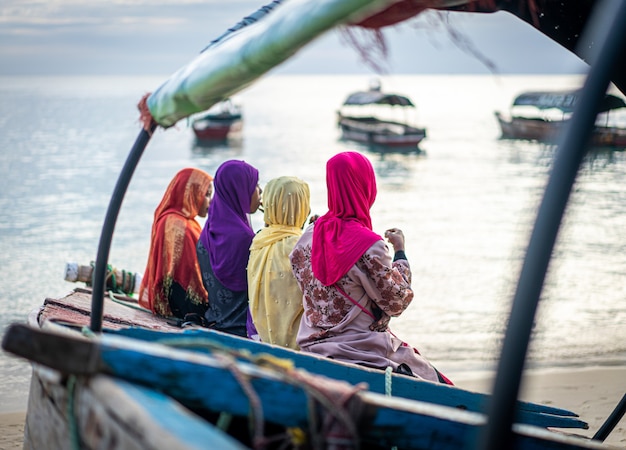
12,430
591,392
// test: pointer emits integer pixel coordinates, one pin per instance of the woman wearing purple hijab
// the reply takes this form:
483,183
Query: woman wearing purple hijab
224,245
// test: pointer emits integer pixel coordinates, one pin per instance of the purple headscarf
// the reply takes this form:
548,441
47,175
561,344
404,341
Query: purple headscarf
227,233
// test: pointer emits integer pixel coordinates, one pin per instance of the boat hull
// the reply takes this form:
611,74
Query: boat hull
206,130
538,129
92,389
67,411
105,412
129,394
377,132
122,320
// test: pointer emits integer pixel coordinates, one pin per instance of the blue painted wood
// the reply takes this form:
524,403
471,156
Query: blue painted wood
269,391
202,340
190,430
206,381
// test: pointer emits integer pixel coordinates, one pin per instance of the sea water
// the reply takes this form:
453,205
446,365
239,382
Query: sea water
466,202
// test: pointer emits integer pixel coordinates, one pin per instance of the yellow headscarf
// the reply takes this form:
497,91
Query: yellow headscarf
275,297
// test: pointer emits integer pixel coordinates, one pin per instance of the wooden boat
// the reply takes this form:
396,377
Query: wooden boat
381,119
129,380
144,369
221,122
542,116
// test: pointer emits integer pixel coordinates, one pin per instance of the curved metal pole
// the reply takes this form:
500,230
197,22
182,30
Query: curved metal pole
611,421
106,236
497,433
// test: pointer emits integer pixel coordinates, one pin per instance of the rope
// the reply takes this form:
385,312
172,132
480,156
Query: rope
316,440
335,398
111,280
223,421
256,408
112,296
332,430
111,276
388,379
133,281
145,117
86,331
388,372
71,416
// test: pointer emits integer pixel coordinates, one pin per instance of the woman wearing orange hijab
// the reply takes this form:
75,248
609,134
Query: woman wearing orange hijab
172,283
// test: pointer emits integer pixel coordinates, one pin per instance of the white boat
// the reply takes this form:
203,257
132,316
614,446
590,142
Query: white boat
379,118
542,117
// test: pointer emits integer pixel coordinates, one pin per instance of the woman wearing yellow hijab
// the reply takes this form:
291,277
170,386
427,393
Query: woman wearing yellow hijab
275,297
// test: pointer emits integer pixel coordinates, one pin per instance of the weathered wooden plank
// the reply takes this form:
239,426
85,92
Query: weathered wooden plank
402,386
111,414
46,426
49,349
75,308
462,428
145,416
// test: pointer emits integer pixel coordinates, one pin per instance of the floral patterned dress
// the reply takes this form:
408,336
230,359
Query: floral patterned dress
335,327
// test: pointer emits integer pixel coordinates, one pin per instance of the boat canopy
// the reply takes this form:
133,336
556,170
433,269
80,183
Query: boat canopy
565,101
377,98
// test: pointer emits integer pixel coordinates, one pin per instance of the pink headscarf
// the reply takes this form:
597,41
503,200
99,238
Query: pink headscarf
344,233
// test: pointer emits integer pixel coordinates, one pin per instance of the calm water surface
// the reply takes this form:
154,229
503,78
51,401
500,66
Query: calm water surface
466,204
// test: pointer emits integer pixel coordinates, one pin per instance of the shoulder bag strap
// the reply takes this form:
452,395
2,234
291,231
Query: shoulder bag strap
341,291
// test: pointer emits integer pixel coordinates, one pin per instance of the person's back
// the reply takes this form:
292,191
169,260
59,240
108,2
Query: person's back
275,297
172,284
224,245
351,287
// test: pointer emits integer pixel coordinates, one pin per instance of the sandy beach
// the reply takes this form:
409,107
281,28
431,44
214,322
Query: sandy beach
12,430
592,393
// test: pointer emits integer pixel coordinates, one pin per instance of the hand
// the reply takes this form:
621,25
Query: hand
381,324
395,237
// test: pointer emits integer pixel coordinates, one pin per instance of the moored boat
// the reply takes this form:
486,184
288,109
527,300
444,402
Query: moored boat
542,117
143,370
223,121
377,118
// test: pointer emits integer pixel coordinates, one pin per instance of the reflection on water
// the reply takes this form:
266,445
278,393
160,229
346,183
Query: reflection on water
389,166
542,154
381,150
602,157
208,154
232,146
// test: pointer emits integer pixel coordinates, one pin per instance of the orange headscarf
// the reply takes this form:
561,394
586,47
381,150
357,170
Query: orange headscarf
175,232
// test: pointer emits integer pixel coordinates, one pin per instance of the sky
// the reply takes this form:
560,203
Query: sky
140,37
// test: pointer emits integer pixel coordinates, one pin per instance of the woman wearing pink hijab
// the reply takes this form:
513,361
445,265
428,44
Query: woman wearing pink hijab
351,286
